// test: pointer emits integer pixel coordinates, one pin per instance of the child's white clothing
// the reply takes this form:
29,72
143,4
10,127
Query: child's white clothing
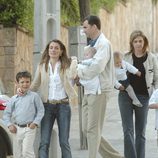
120,72
91,86
121,79
154,100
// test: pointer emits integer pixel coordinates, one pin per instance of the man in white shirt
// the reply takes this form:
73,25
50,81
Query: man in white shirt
94,105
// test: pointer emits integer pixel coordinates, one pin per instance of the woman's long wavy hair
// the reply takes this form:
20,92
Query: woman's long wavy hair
65,61
133,36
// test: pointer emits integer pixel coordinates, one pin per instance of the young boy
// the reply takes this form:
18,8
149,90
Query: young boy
22,116
90,86
122,82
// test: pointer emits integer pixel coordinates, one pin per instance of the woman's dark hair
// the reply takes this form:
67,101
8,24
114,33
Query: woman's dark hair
93,20
65,61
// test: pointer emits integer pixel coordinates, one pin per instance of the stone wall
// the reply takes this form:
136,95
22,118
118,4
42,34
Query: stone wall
16,52
125,18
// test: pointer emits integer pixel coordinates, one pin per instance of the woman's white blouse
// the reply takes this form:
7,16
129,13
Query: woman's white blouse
56,88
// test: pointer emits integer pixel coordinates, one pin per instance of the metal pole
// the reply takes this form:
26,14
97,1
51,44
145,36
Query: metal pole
83,138
46,28
77,42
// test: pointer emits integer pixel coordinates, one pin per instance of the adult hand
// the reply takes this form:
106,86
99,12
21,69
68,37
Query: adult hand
73,57
76,79
19,92
138,73
12,128
153,106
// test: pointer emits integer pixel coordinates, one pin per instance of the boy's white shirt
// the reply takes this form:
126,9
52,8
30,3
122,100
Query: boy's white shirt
154,100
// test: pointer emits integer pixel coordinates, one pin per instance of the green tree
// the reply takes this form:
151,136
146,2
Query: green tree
69,12
20,12
155,1
17,12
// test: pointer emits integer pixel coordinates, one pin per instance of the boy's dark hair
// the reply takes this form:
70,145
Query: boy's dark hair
93,20
24,74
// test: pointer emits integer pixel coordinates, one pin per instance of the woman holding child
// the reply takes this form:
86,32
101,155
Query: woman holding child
145,62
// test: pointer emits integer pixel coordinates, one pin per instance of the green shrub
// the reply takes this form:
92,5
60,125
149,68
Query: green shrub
70,12
109,5
17,12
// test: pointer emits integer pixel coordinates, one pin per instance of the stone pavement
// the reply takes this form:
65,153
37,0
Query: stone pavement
112,131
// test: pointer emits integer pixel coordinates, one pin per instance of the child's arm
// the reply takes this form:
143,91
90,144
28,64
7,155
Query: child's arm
7,116
132,69
153,101
119,86
86,62
39,111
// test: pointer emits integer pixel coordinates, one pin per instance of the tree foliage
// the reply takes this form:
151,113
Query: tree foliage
20,12
108,5
70,12
73,11
154,1
17,12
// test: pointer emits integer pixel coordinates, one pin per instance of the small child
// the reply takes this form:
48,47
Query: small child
122,82
153,104
22,116
91,86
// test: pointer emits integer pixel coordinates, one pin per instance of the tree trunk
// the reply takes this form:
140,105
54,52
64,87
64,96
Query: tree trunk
84,6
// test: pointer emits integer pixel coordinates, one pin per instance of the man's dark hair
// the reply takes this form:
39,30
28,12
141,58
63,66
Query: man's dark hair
93,20
24,74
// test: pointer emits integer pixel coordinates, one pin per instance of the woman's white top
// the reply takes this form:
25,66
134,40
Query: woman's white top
56,88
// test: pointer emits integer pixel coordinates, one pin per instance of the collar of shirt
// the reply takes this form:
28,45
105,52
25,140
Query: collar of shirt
92,42
56,69
56,89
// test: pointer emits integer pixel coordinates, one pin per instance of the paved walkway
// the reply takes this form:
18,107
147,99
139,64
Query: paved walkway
113,131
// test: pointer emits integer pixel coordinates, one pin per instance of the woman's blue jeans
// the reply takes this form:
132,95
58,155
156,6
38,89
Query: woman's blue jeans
134,143
62,113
